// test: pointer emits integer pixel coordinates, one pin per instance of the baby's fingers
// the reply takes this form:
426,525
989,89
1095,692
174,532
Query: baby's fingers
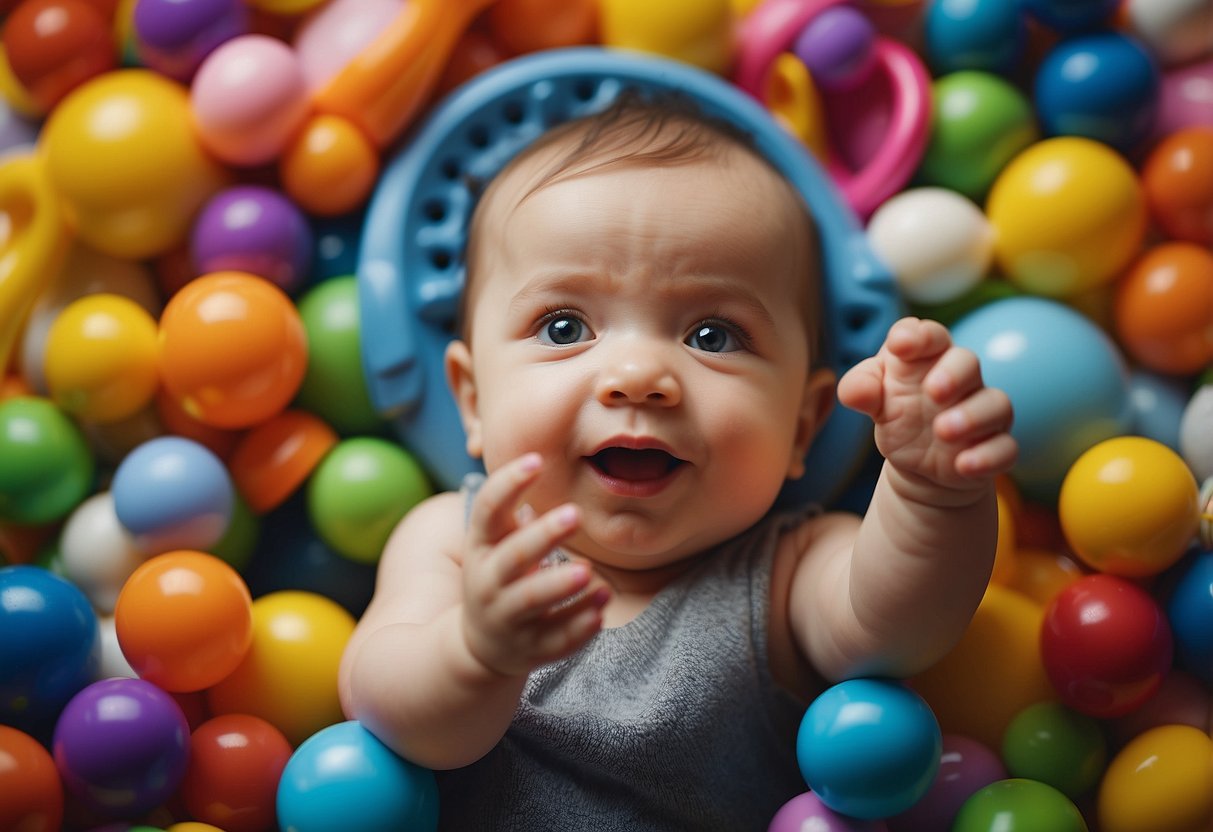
522,550
986,412
914,339
955,375
862,388
492,516
536,594
989,458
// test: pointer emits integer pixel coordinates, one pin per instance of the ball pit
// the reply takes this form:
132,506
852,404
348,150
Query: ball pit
178,145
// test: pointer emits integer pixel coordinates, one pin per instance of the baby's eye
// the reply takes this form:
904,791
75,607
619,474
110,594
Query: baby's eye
563,329
714,337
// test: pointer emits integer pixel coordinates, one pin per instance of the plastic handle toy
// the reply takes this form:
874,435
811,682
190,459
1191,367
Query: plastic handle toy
410,273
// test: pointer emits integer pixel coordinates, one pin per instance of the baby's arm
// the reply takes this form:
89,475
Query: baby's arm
439,659
894,596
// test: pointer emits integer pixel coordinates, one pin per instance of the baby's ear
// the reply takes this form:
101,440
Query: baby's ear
816,402
462,380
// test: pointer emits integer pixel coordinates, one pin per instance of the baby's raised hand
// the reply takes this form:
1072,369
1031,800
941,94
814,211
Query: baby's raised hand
518,615
934,417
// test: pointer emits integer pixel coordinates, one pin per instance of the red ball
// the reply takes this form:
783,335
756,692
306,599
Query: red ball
31,793
236,761
54,46
1106,645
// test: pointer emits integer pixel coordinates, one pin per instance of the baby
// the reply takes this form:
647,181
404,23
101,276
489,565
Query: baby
614,630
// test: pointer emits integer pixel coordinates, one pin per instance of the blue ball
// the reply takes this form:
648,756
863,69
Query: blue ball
1102,86
1067,380
343,778
987,35
869,748
1190,612
173,493
1070,16
49,646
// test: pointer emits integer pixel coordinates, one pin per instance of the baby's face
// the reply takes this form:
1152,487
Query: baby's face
642,329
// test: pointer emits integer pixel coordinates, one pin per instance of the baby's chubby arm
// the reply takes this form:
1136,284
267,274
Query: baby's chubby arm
438,662
893,596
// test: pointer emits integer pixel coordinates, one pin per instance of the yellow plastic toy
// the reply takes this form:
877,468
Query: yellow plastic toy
1162,781
698,32
794,100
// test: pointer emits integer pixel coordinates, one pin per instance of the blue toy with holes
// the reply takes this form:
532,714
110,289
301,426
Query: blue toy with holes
410,271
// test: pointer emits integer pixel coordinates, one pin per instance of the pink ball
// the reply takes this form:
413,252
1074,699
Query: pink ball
248,98
806,811
1186,98
965,767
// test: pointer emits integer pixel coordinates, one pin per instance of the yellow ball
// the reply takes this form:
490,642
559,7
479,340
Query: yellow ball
289,676
698,32
122,153
1162,781
1069,214
100,360
1129,506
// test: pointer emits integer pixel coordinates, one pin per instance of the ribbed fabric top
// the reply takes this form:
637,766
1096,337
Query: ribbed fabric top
671,721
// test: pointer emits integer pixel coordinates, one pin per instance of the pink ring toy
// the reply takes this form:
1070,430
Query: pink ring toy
772,27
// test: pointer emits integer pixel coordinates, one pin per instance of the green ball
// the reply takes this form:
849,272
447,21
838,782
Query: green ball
360,491
1055,745
979,122
334,387
1018,805
46,466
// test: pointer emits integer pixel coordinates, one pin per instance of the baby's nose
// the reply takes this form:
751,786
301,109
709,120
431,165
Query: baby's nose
638,375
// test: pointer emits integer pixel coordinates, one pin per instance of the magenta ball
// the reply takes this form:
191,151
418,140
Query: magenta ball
121,746
253,229
174,36
806,811
836,46
965,766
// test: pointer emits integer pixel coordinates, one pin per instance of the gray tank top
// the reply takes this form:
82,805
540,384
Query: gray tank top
671,721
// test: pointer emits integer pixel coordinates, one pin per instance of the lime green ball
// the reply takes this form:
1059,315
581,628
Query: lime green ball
1055,745
359,492
334,387
979,122
1018,805
46,466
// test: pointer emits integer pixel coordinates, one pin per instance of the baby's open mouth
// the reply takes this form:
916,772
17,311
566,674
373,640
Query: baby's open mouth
635,464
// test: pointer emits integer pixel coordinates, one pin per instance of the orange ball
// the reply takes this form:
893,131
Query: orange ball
31,793
276,457
330,168
1041,573
1164,308
233,350
184,620
1178,181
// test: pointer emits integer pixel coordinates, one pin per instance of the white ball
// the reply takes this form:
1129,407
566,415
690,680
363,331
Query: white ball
97,553
1175,31
113,661
1196,433
936,242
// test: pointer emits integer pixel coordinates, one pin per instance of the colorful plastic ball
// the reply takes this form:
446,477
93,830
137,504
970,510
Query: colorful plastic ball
986,35
837,47
48,468
1071,16
1018,805
979,122
276,458
937,243
16,131
232,349
174,37
184,620
332,37
1178,180
1128,507
1184,99
253,229
100,362
1105,645
247,98
33,793
1195,440
113,663
48,646
1066,380
241,538
122,153
336,250
697,32
172,493
53,46
1158,402
96,551
965,767
235,766
1102,86
1175,31
344,778
1050,743
1190,613
329,167
1042,573
289,674
1069,214
869,748
975,697
334,387
1182,699
1162,781
121,746
806,811
174,420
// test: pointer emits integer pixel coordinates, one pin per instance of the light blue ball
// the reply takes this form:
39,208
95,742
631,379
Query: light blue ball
1158,403
342,778
1067,380
173,493
869,748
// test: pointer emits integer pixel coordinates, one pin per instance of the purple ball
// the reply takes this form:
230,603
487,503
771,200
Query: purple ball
966,766
253,229
837,47
175,36
121,746
806,811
